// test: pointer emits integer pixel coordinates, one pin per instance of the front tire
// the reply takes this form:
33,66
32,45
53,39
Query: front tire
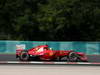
73,57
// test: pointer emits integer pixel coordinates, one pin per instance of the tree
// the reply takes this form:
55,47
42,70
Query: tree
58,20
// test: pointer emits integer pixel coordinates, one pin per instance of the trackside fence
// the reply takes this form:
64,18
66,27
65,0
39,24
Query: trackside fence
90,48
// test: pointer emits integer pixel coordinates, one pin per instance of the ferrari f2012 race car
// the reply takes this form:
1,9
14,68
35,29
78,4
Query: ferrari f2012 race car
43,52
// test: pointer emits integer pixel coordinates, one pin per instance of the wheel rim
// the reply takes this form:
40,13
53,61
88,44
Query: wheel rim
24,56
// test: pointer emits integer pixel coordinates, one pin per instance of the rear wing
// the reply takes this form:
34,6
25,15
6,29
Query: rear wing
20,48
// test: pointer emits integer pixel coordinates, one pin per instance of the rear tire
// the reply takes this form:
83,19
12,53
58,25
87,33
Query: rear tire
24,56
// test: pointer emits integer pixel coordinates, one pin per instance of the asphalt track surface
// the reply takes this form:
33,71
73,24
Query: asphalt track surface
48,70
12,57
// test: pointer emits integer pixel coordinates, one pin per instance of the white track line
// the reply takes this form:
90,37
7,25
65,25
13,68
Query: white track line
35,62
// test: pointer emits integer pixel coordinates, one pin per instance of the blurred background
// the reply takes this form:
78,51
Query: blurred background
50,20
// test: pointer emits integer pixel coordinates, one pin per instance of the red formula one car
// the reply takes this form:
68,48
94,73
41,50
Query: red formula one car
43,52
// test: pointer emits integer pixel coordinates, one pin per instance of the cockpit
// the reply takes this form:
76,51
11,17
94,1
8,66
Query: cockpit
40,49
43,49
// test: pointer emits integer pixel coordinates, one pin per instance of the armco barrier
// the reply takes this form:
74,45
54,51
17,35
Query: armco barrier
90,48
